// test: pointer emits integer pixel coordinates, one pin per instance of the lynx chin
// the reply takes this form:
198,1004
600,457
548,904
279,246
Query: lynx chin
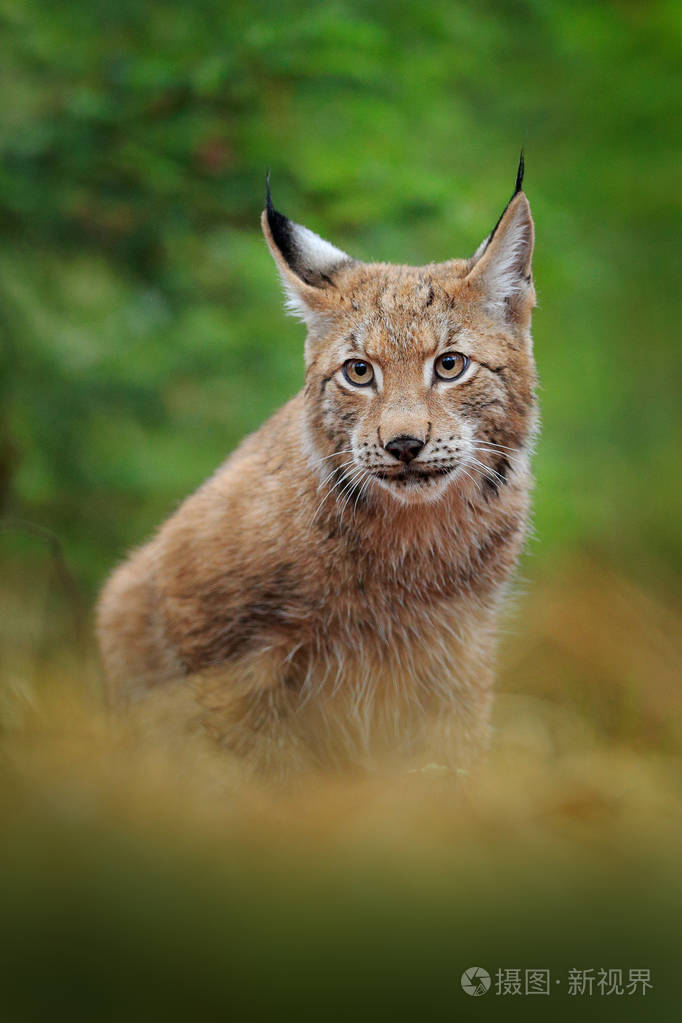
328,598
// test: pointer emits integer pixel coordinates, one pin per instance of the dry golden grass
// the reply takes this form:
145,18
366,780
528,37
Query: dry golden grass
586,723
580,795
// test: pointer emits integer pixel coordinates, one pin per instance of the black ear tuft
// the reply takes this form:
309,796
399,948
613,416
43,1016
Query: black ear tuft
281,228
519,175
517,188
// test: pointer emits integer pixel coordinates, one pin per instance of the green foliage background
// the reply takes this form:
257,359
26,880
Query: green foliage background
142,335
142,331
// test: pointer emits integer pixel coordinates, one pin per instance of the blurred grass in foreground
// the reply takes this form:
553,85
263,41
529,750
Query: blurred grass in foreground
141,879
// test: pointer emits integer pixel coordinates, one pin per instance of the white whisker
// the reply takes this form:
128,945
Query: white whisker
500,447
341,481
469,476
356,479
336,468
364,486
493,451
492,473
341,451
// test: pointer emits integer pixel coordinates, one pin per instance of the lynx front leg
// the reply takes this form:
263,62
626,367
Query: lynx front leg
456,740
250,709
136,654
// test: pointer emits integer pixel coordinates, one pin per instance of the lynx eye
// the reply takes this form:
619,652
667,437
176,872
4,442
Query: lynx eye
451,365
358,372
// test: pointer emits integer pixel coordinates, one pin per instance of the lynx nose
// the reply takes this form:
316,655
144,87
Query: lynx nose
404,448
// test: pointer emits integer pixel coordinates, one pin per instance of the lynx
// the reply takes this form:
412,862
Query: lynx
329,596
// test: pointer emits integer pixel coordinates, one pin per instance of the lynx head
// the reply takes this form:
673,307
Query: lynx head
417,378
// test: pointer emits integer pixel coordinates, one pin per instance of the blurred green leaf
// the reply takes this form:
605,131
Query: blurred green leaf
142,332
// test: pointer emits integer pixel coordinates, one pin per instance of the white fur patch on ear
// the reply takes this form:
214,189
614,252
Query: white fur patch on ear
295,303
305,261
314,252
296,248
507,272
312,260
503,262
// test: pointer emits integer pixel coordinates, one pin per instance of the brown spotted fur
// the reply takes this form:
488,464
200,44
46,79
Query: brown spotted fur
321,618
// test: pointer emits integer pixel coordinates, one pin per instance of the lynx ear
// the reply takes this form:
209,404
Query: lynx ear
306,262
501,266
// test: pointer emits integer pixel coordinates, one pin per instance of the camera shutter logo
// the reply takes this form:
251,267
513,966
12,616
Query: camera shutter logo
475,981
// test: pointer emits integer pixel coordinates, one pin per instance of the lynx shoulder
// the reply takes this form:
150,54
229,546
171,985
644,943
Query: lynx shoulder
329,596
